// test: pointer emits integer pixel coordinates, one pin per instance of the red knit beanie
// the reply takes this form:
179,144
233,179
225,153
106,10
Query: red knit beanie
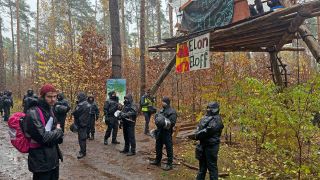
47,88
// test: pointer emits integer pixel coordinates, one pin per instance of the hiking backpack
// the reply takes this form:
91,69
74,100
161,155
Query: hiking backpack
21,141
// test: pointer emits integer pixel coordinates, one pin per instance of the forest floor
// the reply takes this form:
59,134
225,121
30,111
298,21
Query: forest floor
239,161
102,161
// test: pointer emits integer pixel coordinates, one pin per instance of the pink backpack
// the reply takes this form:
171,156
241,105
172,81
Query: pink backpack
18,139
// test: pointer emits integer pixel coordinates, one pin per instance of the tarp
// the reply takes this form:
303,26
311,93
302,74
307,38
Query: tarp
207,14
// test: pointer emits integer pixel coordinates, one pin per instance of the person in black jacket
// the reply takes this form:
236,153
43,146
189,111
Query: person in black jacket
7,104
128,117
81,119
94,115
208,133
165,120
1,104
43,161
110,107
61,109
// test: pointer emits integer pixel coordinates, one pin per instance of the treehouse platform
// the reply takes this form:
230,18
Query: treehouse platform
263,33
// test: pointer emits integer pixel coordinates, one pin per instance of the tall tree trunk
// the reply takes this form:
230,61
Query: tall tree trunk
28,53
115,38
171,18
70,30
53,25
37,27
142,48
137,21
123,31
12,38
159,25
18,48
2,64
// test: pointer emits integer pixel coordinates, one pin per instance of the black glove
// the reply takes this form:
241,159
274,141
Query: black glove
120,124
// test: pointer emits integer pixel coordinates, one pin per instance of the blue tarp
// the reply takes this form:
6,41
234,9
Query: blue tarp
206,14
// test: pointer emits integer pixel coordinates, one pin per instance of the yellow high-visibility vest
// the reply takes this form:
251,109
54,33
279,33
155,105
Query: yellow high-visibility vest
145,108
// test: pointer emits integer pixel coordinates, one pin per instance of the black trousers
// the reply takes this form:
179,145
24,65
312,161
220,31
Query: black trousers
6,113
82,137
113,126
164,138
209,162
147,117
92,124
50,175
129,136
1,110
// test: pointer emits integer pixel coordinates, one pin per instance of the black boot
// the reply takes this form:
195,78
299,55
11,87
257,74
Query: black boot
91,137
115,142
106,142
81,155
132,153
155,162
167,167
124,151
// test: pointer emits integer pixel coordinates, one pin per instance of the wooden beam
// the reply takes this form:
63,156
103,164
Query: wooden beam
276,69
306,34
163,75
235,49
303,13
310,41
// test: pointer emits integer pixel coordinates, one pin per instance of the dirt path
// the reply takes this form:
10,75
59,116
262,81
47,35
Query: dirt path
101,162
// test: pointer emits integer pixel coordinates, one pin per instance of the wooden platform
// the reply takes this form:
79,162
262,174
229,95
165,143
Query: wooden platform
255,34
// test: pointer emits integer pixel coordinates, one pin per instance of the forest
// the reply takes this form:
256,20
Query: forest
270,131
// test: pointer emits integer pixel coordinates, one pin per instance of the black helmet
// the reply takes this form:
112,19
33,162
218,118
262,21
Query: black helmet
166,100
30,92
214,107
162,122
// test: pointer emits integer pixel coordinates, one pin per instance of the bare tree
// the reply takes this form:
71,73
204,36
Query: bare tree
142,48
12,38
18,48
2,65
159,24
115,38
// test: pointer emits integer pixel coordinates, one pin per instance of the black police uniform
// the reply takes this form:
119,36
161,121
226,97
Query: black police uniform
128,118
208,132
110,107
94,115
81,117
164,135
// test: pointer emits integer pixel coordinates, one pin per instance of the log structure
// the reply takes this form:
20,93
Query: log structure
268,32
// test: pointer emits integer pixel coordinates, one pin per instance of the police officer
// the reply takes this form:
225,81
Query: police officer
208,133
94,115
165,120
28,100
81,118
61,109
1,104
147,102
110,107
128,118
7,104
